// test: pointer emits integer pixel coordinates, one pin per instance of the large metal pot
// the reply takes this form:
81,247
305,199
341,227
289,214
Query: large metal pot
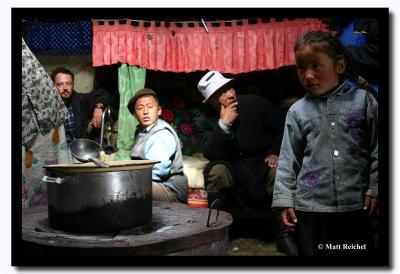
85,198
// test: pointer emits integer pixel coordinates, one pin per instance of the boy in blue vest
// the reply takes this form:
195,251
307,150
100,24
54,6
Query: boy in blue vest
156,140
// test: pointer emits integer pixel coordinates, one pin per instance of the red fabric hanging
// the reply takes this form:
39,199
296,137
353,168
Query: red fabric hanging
228,49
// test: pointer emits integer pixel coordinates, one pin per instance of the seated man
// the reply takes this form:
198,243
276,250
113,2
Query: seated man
241,136
82,107
156,140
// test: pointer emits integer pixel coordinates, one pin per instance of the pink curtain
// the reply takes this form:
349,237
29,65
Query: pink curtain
228,49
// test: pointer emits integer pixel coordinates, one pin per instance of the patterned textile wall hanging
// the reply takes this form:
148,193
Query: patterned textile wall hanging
59,38
232,49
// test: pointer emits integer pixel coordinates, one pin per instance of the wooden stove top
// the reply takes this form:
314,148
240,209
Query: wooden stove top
175,228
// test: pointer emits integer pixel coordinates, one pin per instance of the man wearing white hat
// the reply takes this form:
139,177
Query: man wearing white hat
241,137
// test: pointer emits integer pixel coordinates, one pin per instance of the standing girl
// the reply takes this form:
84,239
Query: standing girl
326,185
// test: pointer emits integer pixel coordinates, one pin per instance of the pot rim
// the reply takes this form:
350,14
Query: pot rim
123,165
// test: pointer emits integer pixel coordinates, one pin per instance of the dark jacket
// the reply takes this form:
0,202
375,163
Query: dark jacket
257,133
83,105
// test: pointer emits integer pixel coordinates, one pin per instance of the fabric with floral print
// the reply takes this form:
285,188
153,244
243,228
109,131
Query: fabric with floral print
42,107
167,115
182,119
41,150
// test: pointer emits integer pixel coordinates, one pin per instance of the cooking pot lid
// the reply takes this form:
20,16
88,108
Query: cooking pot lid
114,166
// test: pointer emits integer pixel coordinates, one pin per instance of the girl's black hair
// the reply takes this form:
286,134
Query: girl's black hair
326,43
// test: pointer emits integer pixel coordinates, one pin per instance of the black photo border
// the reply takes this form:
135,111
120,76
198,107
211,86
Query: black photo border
385,217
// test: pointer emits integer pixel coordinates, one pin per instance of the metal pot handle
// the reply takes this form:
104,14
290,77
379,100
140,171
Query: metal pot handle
49,179
214,205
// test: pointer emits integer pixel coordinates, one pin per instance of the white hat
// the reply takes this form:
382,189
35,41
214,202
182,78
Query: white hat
210,83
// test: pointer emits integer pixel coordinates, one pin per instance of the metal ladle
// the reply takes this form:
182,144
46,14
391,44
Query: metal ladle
86,150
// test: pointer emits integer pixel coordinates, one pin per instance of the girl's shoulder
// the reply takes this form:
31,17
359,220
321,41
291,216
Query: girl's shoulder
299,105
359,94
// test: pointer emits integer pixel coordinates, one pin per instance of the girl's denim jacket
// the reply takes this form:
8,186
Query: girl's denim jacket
329,154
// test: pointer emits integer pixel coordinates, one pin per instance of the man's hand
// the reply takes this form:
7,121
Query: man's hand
229,113
272,160
370,205
96,120
289,218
